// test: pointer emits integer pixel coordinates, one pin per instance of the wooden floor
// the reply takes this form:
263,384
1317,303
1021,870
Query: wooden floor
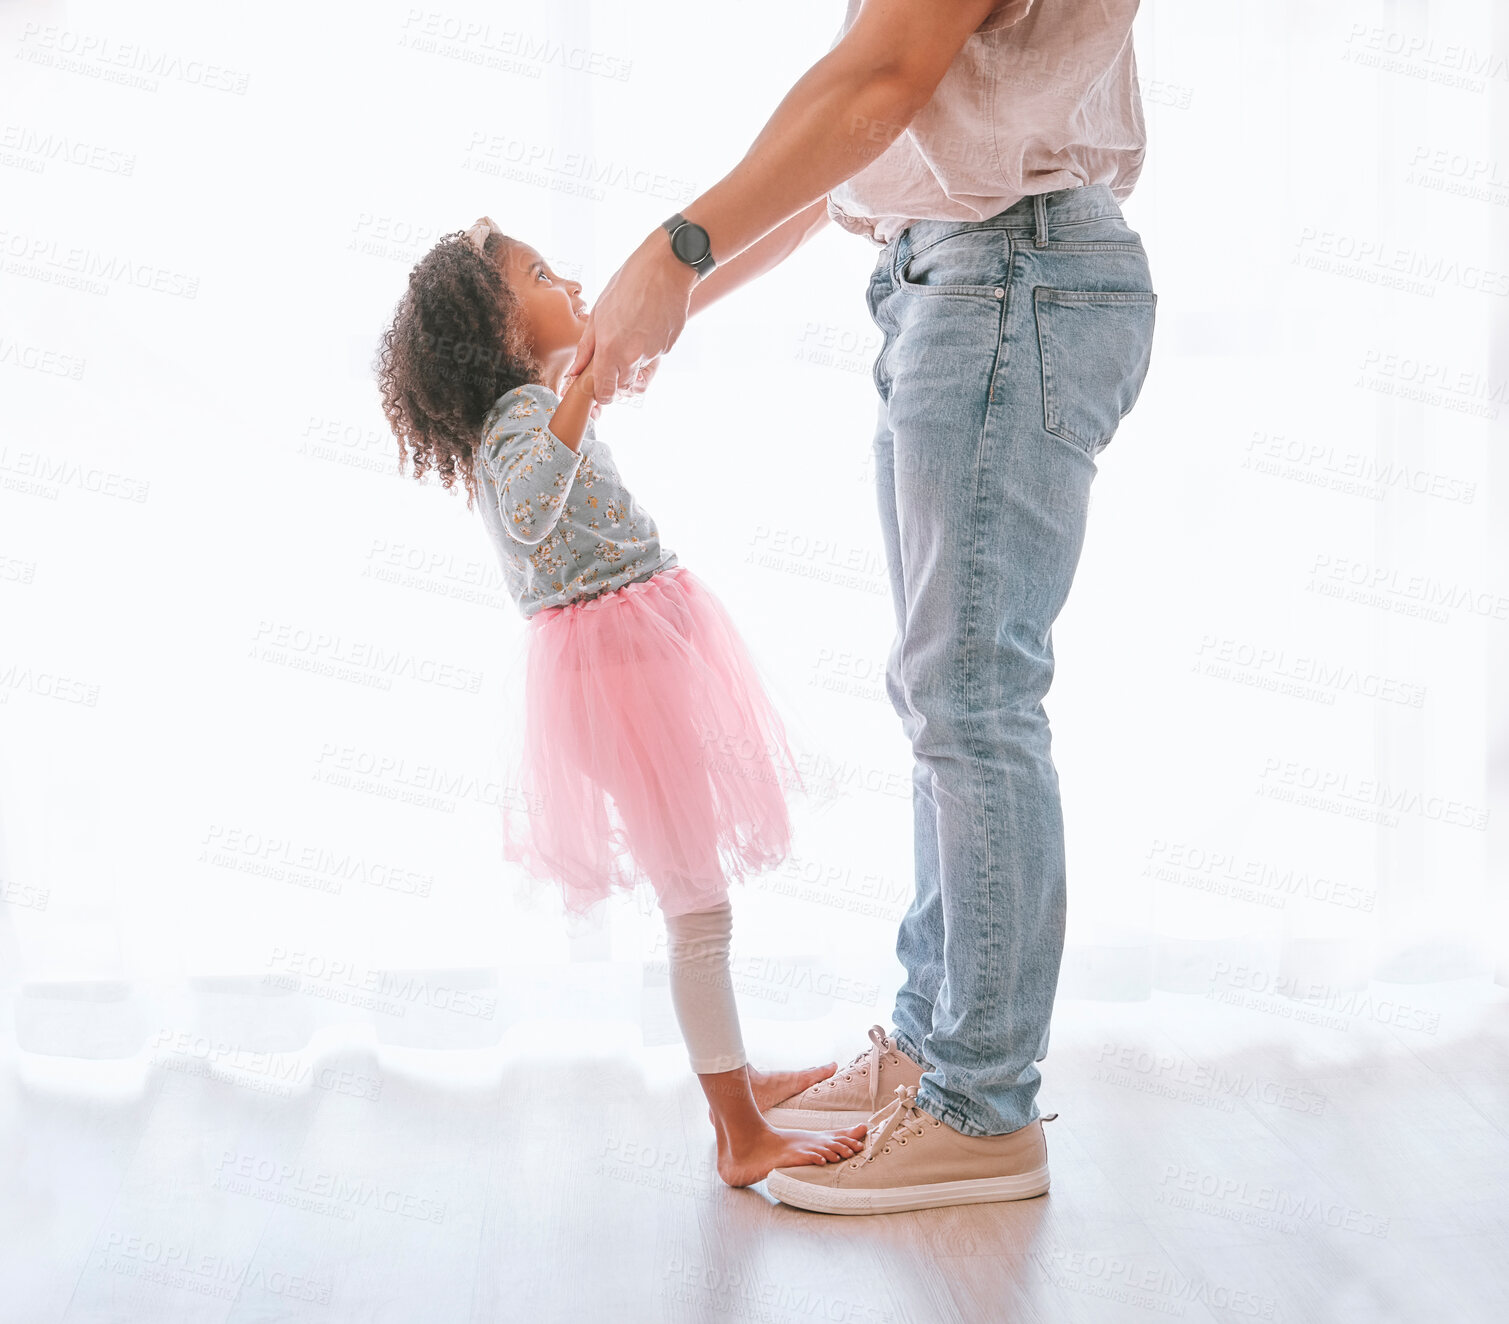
1205,1166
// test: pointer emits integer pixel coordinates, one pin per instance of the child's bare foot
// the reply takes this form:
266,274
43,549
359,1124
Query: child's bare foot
748,1146
751,1158
770,1087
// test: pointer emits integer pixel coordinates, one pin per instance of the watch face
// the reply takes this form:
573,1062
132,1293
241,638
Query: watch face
690,242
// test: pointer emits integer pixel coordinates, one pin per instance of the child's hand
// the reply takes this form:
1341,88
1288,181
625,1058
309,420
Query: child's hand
641,378
585,377
634,386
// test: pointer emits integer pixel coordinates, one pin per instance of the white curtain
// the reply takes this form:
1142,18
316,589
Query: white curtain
251,678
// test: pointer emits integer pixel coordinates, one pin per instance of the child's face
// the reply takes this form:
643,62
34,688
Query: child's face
554,312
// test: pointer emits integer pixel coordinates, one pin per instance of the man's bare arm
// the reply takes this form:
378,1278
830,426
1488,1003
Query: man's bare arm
838,117
762,256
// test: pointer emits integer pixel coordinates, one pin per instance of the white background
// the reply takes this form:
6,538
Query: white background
1278,714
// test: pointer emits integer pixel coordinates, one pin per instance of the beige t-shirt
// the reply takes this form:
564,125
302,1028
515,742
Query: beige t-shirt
1043,95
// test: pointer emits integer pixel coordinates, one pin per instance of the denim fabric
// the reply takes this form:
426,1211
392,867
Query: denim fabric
1013,346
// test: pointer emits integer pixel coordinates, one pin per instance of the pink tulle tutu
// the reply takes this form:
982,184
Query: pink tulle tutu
650,750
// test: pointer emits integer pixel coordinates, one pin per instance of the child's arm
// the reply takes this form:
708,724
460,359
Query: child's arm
530,465
570,420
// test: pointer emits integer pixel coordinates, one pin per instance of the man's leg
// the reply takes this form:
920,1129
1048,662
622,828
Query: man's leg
990,511
991,530
919,939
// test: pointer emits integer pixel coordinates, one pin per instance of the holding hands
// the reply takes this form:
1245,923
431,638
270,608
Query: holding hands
638,317
637,385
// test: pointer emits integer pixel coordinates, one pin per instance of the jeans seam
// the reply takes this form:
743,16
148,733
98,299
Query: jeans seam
1026,229
955,291
970,643
1091,246
1085,220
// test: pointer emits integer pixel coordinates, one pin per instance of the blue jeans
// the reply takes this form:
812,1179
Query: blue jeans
1013,347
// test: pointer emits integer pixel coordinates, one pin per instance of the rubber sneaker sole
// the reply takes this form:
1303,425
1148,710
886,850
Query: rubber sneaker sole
892,1200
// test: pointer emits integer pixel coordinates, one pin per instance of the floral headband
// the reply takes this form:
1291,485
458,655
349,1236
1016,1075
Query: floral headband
481,228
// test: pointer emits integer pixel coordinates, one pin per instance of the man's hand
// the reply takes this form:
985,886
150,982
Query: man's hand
639,316
837,118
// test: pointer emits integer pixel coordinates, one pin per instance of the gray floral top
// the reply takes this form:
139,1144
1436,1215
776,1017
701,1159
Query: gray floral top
564,525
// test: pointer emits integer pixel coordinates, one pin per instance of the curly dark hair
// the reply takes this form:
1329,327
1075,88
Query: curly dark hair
455,345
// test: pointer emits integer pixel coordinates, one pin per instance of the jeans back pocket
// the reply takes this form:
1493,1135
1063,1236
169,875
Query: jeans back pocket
1096,346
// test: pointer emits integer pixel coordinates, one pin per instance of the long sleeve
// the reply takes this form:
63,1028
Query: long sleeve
531,468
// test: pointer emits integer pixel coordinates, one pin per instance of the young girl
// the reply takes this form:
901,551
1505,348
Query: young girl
638,689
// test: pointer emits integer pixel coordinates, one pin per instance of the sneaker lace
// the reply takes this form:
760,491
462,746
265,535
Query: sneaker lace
900,1118
880,1045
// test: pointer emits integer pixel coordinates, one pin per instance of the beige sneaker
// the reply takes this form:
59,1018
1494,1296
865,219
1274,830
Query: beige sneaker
914,1161
852,1093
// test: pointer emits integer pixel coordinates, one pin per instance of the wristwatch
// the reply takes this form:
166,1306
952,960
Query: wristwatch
690,243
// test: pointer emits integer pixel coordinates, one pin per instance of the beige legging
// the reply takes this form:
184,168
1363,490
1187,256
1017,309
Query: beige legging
702,989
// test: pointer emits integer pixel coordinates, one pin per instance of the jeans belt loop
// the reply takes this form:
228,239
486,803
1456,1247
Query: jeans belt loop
898,258
1040,216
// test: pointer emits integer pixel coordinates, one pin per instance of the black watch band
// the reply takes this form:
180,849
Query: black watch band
690,243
